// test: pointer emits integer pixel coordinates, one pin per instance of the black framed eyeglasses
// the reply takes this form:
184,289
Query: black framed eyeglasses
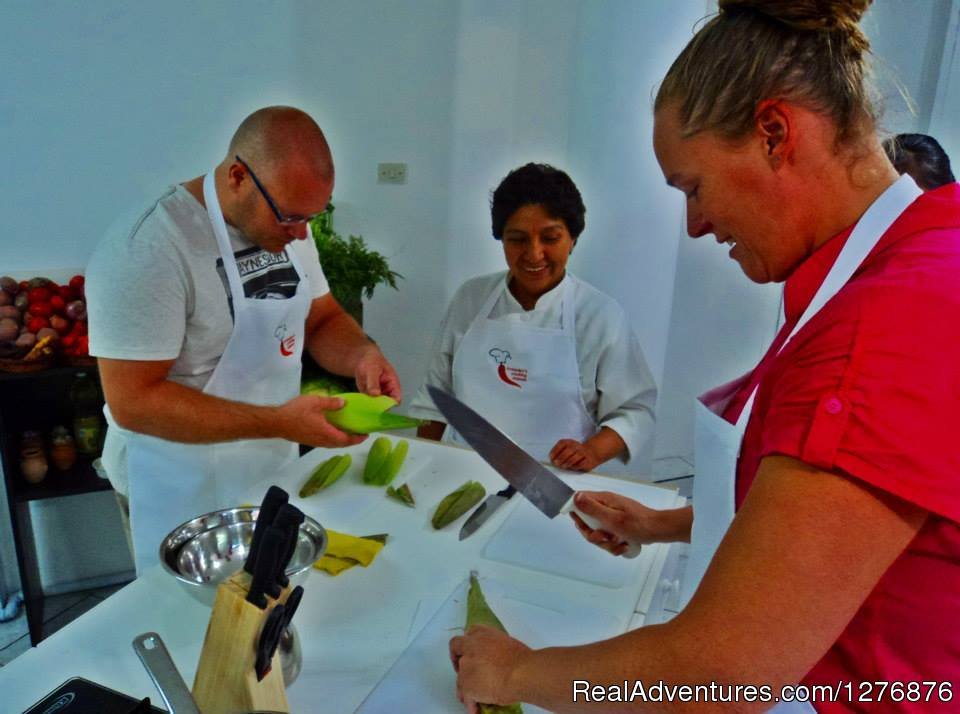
281,219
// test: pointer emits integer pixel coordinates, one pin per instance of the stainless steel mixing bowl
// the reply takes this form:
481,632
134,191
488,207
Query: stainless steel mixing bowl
208,549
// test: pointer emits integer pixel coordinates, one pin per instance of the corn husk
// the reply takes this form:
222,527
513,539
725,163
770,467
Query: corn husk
376,460
457,503
325,474
402,494
479,613
363,414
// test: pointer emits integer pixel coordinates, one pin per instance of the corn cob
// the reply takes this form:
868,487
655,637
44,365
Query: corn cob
394,462
325,474
383,463
376,460
457,503
402,494
363,414
479,613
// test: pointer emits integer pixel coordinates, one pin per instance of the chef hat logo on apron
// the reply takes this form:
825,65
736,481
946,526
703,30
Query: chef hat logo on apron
507,375
288,343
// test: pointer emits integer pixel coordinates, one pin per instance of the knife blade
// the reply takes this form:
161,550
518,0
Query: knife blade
539,485
486,509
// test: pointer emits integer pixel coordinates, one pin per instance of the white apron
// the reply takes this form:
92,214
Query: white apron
523,379
717,442
172,482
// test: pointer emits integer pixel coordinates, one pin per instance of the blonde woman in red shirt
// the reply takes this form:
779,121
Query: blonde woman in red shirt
825,531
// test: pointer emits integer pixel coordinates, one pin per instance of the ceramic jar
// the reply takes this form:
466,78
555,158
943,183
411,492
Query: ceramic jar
33,464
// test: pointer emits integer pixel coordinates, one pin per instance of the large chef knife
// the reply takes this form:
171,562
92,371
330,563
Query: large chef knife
486,509
531,478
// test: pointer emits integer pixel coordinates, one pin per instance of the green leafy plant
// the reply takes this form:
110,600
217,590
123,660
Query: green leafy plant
351,268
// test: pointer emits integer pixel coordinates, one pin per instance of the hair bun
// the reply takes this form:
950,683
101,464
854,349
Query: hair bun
809,15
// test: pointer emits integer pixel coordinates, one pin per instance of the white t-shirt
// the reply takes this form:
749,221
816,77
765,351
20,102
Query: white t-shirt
156,290
616,384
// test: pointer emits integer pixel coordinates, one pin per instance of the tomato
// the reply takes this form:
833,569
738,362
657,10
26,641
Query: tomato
83,345
68,341
58,304
36,324
66,293
38,295
76,282
41,309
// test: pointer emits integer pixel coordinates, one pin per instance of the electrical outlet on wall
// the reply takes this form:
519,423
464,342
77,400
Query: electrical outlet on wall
391,173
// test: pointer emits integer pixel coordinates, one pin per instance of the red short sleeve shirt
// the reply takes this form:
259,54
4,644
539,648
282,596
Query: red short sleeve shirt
870,388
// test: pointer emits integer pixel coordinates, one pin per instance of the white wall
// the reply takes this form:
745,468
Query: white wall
943,120
379,76
907,40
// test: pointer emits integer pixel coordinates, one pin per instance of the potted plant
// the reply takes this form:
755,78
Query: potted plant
352,269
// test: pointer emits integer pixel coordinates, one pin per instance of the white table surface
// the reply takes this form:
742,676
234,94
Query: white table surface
352,627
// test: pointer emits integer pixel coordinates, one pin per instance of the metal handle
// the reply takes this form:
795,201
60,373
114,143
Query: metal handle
156,660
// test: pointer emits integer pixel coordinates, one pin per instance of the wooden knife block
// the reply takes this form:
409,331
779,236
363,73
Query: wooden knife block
226,681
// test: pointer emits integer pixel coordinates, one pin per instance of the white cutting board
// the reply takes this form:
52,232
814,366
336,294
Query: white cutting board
529,539
422,679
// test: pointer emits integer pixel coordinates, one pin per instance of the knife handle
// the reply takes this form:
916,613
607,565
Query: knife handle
507,492
633,549
272,501
288,520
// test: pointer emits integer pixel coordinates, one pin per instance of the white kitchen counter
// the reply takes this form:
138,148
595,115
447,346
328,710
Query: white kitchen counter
355,626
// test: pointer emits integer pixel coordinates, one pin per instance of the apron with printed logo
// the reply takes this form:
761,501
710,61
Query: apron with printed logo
173,482
523,379
717,442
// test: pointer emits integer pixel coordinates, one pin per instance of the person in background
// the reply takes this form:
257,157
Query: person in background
199,314
547,357
922,157
826,513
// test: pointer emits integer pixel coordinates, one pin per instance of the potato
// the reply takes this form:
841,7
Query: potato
9,329
9,285
10,311
27,339
48,332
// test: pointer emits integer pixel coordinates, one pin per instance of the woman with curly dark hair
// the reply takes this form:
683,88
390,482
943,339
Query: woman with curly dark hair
549,358
825,527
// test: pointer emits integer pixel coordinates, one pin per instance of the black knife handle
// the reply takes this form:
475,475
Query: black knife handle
507,492
268,553
288,520
272,501
268,640
291,605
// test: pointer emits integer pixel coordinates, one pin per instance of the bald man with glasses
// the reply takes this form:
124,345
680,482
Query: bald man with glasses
199,314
